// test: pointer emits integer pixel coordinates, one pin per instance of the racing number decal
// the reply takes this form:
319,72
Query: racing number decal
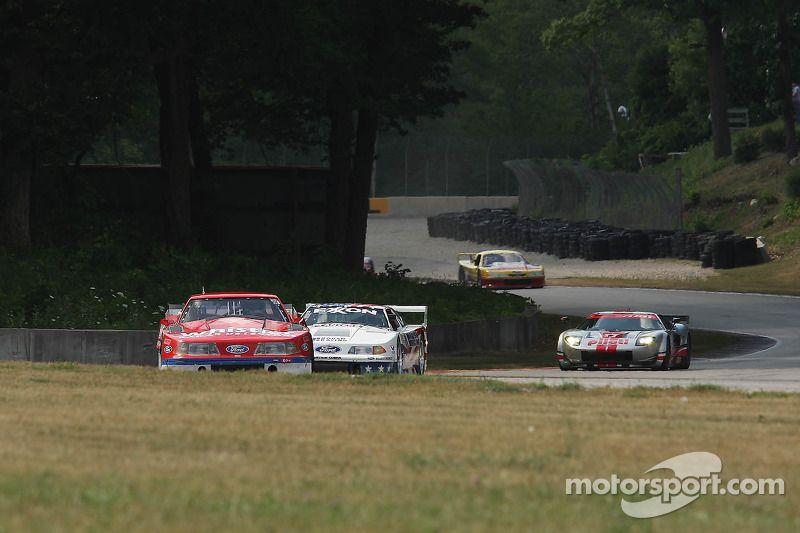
609,341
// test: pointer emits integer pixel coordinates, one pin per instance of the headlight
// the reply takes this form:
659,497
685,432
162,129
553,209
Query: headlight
573,341
645,341
197,348
367,350
275,348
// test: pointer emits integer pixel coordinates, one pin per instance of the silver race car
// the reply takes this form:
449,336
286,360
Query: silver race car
626,339
362,339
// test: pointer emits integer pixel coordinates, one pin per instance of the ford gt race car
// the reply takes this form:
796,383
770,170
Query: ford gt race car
233,331
362,339
499,269
625,339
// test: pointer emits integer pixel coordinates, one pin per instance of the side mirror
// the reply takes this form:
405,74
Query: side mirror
169,320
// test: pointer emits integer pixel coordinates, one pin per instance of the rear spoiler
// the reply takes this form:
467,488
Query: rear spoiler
672,319
413,309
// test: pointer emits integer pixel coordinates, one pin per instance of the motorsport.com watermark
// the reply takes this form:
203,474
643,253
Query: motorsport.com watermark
695,474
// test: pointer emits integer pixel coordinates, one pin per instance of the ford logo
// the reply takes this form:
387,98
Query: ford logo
327,349
237,349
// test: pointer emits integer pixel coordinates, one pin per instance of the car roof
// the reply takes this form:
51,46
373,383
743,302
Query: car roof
209,295
371,306
500,252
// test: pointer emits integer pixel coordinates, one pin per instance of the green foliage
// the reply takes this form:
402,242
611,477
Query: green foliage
773,140
701,223
110,282
793,184
791,210
746,149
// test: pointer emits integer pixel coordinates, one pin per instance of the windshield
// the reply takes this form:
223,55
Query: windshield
621,324
211,308
491,259
366,316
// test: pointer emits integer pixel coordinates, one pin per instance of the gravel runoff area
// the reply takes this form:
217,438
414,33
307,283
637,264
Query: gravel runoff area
406,241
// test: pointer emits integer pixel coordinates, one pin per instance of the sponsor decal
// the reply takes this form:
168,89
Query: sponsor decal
344,310
330,339
258,332
694,474
167,349
237,349
304,347
328,349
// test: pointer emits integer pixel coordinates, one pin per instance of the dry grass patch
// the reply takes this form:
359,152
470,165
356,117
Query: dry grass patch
123,448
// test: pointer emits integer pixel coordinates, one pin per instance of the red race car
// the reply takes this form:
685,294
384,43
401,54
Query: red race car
233,331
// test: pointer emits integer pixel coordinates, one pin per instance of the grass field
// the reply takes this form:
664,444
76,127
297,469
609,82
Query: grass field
124,448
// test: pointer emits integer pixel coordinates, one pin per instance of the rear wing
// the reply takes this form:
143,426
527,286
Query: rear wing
467,257
423,309
674,319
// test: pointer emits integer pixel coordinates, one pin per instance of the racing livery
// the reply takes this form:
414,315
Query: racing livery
361,338
626,339
499,269
233,331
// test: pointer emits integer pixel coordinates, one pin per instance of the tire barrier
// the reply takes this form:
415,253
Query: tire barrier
594,241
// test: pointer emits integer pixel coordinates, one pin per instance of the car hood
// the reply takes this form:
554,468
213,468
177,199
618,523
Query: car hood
591,340
351,334
237,329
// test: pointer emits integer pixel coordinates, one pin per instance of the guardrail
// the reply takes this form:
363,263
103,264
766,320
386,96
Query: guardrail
137,347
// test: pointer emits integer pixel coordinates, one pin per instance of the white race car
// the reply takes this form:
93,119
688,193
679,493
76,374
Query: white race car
362,338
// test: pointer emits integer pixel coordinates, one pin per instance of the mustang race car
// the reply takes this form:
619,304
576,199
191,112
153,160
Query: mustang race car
232,331
625,339
361,339
499,269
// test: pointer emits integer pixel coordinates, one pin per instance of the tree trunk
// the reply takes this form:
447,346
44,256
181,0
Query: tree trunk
340,155
359,193
174,86
717,83
17,163
612,118
785,79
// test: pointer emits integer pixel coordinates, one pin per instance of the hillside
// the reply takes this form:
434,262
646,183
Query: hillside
750,198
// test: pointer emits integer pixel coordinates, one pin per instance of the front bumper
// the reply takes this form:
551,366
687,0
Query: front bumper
287,365
641,357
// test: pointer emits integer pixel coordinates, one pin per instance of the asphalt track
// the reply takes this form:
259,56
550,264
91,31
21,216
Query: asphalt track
778,317
773,369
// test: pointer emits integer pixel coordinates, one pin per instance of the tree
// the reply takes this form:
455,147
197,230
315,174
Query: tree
784,37
59,86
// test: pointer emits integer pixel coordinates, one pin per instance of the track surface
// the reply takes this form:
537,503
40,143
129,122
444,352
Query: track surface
777,317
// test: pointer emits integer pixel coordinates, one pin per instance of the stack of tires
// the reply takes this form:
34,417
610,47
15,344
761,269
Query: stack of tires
593,240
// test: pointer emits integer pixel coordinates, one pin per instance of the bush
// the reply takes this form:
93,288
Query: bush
791,210
747,149
793,184
773,140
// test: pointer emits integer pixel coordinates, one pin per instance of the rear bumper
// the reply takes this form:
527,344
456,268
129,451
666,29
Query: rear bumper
513,283
289,365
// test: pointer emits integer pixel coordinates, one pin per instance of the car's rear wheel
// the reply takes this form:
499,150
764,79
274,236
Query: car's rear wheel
400,358
668,356
686,360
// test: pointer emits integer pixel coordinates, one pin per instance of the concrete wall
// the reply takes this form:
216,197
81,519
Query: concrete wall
81,346
241,208
136,347
426,206
568,190
510,334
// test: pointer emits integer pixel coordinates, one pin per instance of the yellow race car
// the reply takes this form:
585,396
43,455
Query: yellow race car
499,269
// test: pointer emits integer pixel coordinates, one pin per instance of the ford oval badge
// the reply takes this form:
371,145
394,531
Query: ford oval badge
237,349
327,349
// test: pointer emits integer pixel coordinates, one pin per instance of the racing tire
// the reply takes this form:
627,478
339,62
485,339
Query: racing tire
668,357
686,362
462,276
400,358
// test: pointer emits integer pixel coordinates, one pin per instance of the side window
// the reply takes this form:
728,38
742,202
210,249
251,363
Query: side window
393,320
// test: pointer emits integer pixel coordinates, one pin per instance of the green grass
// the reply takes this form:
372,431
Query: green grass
109,282
135,449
